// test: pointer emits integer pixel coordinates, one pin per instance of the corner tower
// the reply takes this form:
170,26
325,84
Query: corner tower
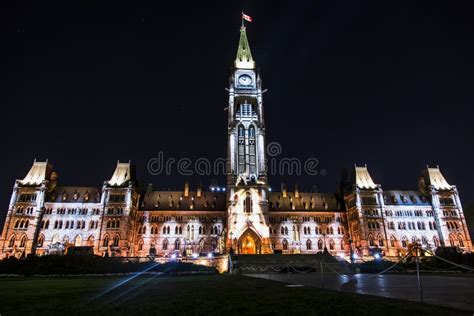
247,230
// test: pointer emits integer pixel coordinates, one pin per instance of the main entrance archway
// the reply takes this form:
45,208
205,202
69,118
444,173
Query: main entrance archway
249,243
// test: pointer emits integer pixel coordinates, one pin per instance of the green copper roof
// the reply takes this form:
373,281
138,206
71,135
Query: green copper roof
244,58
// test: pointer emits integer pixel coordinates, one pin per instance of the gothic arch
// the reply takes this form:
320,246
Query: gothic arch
40,242
23,241
393,242
285,244
55,239
371,240
249,242
106,241
380,240
11,242
452,240
90,240
78,240
116,240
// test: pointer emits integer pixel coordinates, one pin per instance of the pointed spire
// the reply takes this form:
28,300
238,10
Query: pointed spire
244,58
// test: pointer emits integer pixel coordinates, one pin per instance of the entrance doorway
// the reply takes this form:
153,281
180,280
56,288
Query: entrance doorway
249,243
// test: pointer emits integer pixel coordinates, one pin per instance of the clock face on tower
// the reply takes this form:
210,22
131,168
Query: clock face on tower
245,80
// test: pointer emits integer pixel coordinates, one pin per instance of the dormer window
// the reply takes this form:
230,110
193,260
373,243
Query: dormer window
394,199
413,199
64,198
75,196
404,198
86,196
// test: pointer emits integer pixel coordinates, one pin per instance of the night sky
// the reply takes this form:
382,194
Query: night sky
389,84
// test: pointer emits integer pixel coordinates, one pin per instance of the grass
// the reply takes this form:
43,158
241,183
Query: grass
191,295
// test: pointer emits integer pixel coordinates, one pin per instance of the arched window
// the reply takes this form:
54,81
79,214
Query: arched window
90,241
342,244
180,230
248,207
308,244
252,151
308,230
435,241
282,230
251,132
23,242
404,242
106,241
164,229
452,240
371,241
392,241
78,241
12,241
424,240
140,245
332,244
200,230
241,149
168,230
165,244
176,230
17,223
116,241
381,243
461,241
176,244
320,244
286,230
285,244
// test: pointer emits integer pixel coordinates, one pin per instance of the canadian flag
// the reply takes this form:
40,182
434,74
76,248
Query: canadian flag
246,17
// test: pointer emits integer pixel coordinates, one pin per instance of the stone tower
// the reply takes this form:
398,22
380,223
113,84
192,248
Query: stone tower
247,230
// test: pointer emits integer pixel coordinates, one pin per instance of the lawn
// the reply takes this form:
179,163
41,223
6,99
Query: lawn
184,295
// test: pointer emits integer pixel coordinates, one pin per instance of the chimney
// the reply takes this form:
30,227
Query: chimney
199,190
283,190
186,189
297,192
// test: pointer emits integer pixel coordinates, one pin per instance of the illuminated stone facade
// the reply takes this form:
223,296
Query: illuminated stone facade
121,219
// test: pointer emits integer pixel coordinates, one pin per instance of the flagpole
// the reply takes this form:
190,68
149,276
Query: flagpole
242,17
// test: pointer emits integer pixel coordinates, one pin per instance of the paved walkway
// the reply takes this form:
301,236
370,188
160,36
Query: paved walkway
452,291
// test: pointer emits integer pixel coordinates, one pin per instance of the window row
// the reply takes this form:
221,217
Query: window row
24,210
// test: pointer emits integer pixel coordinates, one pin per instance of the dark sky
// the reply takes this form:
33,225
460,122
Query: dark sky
389,84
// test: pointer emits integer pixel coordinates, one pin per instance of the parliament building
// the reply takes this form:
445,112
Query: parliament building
121,219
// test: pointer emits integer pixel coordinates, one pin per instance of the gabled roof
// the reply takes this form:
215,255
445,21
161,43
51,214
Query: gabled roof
122,174
175,200
304,202
74,195
434,177
39,172
363,180
244,58
397,197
